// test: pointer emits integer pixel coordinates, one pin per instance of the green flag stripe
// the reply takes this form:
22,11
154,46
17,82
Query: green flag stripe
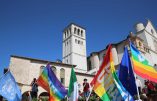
72,81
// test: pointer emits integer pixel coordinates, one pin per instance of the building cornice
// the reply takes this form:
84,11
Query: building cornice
43,61
73,24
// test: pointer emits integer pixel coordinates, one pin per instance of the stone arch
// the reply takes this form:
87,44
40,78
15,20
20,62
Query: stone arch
44,95
26,96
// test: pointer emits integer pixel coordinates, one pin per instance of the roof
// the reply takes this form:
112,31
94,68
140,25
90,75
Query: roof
75,25
57,63
85,74
44,61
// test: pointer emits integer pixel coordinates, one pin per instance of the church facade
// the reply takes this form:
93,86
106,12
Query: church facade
145,39
25,69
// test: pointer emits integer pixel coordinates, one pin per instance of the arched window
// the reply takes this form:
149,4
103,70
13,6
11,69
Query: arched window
152,31
75,30
53,69
67,33
62,75
75,40
78,41
41,69
78,32
81,33
70,31
64,34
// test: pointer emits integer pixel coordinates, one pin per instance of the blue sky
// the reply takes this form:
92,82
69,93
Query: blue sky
33,28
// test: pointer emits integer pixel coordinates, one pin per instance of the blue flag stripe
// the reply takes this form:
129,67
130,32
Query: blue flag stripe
126,75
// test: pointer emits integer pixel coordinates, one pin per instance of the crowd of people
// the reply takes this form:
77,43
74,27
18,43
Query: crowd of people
148,92
150,89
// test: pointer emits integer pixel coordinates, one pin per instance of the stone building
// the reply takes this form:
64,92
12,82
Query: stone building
74,46
145,39
25,69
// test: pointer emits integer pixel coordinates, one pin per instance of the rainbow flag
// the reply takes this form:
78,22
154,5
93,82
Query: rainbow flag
106,83
51,84
142,66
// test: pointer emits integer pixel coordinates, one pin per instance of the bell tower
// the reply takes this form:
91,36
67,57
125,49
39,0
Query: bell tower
74,46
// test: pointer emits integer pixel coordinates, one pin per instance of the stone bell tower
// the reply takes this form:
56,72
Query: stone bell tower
74,46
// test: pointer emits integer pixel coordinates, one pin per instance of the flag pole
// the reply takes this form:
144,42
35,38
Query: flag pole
92,87
89,94
138,95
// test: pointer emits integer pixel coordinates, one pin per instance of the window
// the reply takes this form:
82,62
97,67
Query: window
152,31
62,76
75,30
67,60
62,81
70,31
78,31
81,33
53,69
65,34
75,40
78,41
41,69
